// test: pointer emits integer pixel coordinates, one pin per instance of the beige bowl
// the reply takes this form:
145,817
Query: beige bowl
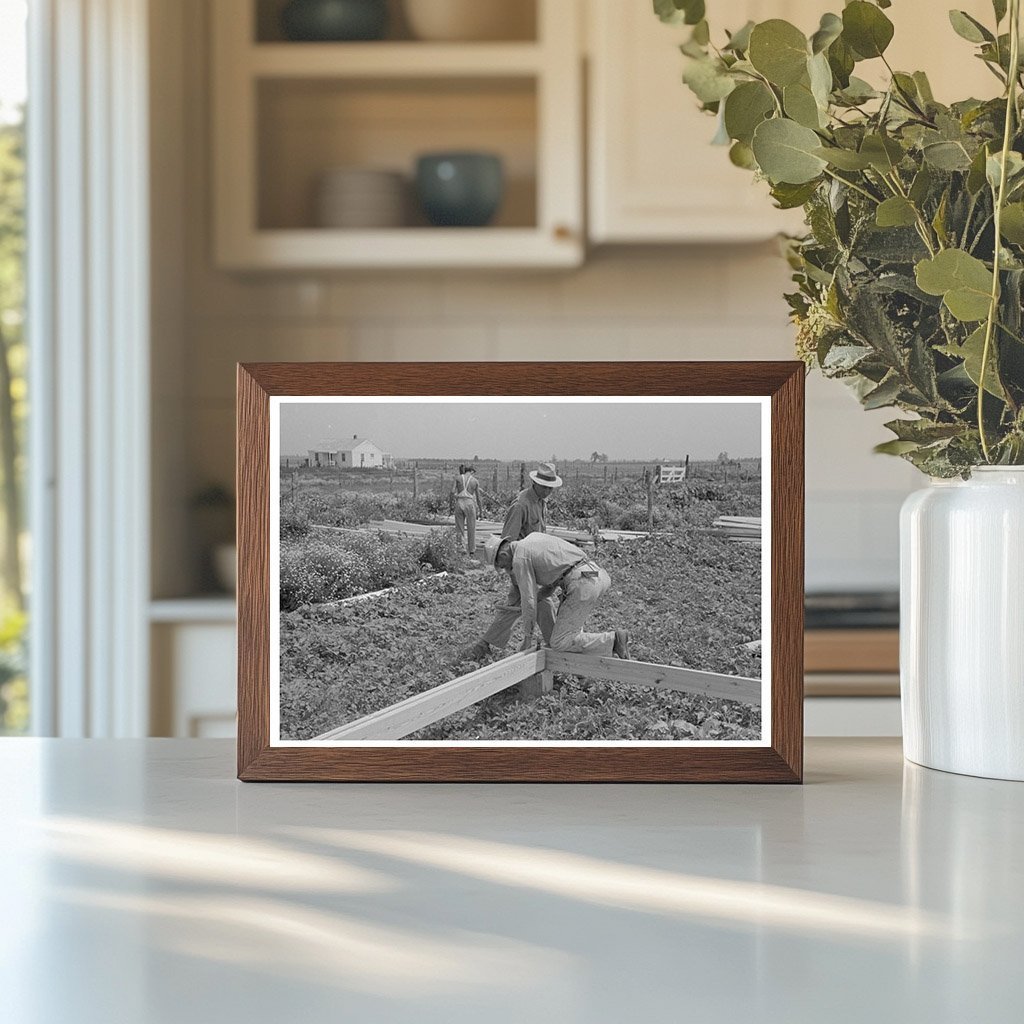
471,20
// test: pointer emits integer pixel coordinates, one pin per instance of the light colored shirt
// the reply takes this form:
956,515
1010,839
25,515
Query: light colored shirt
525,516
540,560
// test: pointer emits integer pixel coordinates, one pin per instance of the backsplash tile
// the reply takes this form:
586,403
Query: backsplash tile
718,302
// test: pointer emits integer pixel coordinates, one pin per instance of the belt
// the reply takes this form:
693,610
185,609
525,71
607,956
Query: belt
560,582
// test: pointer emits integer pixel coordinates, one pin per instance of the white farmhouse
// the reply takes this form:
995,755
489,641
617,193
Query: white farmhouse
356,452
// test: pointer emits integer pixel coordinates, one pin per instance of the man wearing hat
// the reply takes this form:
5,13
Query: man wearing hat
524,517
540,564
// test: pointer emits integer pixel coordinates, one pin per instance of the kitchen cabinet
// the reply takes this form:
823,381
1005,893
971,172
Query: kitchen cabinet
653,175
193,670
286,113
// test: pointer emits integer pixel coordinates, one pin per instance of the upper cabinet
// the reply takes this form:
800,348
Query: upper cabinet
316,143
653,174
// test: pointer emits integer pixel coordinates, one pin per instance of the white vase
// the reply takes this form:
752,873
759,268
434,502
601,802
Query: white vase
962,624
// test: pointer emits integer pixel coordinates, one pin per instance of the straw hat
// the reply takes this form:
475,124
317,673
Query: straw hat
491,548
546,476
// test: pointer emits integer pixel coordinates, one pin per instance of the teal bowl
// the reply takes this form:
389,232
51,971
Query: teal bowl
460,190
334,21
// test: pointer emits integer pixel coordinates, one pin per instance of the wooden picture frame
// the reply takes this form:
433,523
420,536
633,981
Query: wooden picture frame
778,758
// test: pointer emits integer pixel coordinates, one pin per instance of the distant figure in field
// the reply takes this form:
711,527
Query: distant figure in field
466,498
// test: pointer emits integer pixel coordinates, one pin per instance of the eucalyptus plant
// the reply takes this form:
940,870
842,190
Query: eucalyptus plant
909,280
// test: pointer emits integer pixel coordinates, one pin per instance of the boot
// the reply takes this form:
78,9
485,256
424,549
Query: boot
621,646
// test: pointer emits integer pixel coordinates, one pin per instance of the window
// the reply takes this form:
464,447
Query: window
14,705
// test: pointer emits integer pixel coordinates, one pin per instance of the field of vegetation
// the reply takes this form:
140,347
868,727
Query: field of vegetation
687,597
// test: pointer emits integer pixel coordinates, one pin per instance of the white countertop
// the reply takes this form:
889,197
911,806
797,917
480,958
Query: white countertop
142,885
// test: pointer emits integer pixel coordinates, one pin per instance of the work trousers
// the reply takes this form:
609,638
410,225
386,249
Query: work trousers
508,611
581,591
465,523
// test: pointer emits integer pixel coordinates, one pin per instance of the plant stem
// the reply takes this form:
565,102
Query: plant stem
855,187
993,309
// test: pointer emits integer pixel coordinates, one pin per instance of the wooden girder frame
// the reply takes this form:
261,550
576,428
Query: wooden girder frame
533,671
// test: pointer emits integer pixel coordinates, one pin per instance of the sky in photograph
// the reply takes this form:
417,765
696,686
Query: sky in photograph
529,431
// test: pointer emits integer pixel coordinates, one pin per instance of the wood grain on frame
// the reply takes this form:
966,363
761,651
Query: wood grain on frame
781,762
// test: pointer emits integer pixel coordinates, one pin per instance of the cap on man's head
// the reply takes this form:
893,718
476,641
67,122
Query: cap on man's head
489,552
546,476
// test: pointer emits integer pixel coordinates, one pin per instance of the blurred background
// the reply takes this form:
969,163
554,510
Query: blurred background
245,180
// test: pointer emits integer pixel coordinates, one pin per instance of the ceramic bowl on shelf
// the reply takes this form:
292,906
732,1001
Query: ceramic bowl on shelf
470,20
361,198
332,21
460,189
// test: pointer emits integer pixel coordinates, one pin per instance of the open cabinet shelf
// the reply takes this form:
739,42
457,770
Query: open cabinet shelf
287,114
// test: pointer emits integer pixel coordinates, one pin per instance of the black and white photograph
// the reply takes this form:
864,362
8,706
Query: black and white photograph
519,570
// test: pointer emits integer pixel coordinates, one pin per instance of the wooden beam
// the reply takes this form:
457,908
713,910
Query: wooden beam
536,686
423,709
658,677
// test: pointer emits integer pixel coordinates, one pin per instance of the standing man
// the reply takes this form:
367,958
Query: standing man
540,565
524,517
466,499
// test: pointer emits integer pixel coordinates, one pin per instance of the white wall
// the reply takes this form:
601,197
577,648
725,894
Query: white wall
655,303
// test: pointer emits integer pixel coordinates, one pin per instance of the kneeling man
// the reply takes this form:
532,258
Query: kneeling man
541,564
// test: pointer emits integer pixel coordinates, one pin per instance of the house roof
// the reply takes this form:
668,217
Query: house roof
340,444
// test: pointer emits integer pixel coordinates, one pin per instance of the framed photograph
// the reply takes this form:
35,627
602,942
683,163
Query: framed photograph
514,572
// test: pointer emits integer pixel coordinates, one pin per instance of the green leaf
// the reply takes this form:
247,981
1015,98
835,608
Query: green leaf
745,108
858,91
785,152
841,60
895,447
885,394
939,220
924,87
923,431
896,212
968,28
789,197
921,185
971,352
946,156
707,80
676,12
1012,223
866,29
883,153
844,159
976,174
778,50
742,155
820,76
1014,169
963,281
800,105
830,28
739,41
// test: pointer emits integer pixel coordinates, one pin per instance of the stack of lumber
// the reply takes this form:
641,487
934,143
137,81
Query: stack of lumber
742,529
